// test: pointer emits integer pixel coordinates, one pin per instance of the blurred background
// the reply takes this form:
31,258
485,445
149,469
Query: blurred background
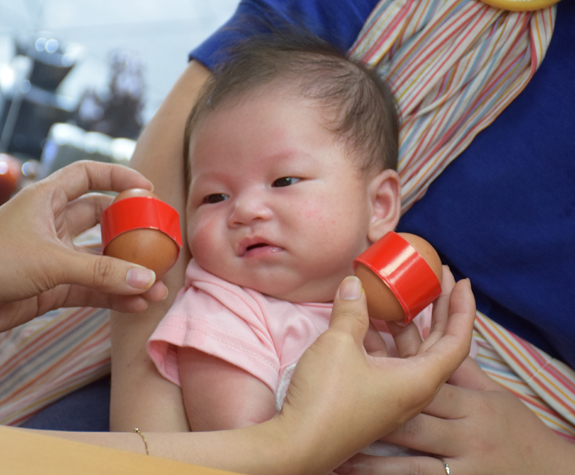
79,78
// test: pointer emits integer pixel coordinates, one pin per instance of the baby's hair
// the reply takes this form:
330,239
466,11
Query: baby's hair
362,108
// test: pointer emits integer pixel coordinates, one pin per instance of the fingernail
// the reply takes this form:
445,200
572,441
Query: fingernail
350,288
140,278
166,295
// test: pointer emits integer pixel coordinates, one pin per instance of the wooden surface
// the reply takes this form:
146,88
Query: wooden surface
25,453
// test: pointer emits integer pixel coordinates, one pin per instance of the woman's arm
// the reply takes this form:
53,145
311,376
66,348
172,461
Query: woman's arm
340,400
140,396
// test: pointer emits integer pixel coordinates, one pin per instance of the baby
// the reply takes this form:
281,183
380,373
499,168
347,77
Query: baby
292,153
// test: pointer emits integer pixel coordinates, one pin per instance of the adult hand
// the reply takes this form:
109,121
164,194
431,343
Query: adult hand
478,427
475,425
338,387
41,268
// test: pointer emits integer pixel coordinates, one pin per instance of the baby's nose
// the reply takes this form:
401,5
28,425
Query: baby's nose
249,208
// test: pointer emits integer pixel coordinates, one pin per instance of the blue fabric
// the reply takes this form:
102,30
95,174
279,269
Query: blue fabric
85,410
319,17
503,213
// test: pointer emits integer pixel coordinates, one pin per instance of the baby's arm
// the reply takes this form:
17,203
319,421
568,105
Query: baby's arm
218,395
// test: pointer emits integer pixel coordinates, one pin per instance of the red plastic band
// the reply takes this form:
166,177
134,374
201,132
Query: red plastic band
140,212
405,272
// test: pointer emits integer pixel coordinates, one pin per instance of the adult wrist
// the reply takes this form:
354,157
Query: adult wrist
283,445
302,446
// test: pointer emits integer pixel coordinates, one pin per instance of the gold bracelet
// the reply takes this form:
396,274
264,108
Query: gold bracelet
139,432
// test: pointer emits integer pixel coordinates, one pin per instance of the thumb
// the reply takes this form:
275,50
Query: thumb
349,313
106,274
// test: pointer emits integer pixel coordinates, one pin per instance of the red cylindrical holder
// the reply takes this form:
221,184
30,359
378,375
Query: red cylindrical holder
140,212
404,271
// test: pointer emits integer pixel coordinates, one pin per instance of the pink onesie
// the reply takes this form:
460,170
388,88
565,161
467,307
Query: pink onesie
261,335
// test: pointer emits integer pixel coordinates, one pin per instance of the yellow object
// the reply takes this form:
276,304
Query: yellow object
25,453
521,5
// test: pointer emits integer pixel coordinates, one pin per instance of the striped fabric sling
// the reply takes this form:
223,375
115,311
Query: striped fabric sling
454,65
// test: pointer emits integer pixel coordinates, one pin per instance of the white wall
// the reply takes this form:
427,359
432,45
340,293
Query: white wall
160,31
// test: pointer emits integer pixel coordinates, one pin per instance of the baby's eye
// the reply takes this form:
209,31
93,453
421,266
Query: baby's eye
285,181
215,198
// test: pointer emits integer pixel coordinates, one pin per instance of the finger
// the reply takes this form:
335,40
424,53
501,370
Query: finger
79,296
83,176
406,337
156,292
445,355
374,343
102,273
441,307
362,464
440,312
85,212
470,375
461,313
425,433
451,402
349,312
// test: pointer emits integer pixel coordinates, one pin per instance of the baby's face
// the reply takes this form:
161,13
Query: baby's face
276,204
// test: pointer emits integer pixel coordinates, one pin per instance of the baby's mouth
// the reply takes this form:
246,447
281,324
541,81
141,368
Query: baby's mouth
257,248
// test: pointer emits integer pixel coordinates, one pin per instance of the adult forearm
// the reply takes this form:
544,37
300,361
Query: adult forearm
158,156
261,449
159,151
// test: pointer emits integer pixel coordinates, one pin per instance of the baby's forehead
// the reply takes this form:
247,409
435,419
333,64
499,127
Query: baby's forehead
277,97
281,93
278,88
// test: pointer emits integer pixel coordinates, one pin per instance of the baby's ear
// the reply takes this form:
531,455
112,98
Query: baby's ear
385,197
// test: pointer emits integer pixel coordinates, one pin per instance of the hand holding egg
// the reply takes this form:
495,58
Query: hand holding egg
138,227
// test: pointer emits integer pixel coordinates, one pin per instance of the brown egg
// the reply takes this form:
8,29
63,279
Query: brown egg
426,251
417,287
382,304
147,247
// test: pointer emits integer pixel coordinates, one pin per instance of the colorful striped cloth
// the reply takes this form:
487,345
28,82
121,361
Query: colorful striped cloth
544,384
50,357
454,65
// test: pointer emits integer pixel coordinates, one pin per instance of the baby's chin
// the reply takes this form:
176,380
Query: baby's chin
296,294
288,289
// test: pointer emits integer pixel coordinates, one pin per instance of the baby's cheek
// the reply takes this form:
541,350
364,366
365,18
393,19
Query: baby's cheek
202,240
315,215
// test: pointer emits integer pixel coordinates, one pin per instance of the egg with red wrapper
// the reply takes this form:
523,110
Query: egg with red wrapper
138,227
401,275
